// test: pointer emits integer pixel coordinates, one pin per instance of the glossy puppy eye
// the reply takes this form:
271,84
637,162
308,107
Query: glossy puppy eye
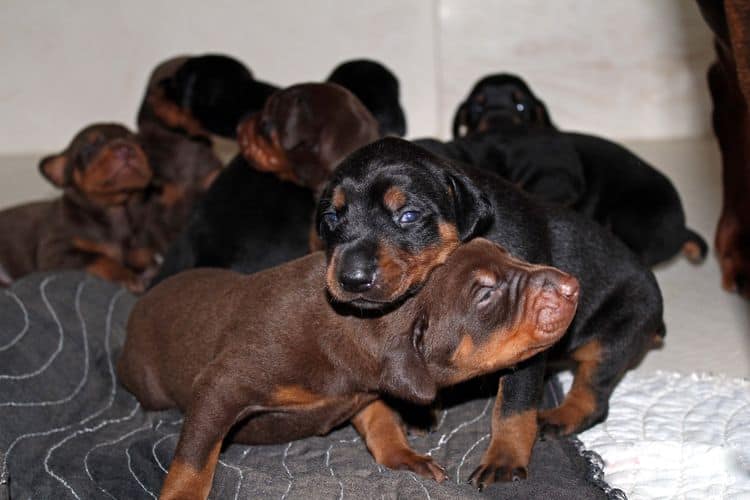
520,107
408,217
330,218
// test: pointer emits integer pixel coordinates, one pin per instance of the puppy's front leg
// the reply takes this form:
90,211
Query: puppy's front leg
218,403
514,426
384,435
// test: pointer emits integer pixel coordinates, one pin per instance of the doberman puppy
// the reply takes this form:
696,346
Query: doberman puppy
392,212
96,223
378,89
258,212
506,129
202,95
729,83
265,362
498,102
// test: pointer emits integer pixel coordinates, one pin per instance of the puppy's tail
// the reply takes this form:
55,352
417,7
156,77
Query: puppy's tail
695,247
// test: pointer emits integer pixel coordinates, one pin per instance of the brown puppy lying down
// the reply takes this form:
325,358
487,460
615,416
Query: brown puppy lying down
266,358
96,222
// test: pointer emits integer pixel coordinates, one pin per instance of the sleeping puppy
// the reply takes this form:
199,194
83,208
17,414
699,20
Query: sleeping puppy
96,224
498,102
392,212
251,359
592,175
202,95
378,89
258,212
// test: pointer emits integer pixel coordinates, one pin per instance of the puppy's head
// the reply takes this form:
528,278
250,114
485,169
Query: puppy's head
480,312
305,130
498,102
104,164
484,311
391,213
378,89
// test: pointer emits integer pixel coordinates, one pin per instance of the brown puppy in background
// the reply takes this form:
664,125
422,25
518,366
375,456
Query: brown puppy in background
259,211
96,223
270,359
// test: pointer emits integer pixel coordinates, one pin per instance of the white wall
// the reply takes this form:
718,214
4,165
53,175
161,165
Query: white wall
621,68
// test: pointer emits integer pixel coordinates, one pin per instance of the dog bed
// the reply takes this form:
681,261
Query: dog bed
676,436
68,430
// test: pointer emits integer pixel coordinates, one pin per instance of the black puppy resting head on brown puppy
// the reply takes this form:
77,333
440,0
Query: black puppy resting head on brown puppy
265,362
393,212
497,101
305,130
95,224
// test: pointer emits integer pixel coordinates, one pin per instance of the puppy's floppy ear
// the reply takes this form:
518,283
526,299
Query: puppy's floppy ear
542,115
460,119
471,206
53,168
404,373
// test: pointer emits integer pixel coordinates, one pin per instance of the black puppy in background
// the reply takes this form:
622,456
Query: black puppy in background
500,102
378,89
202,95
503,127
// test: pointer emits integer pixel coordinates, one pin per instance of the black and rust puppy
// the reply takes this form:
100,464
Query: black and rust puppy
498,102
258,212
202,95
505,128
270,363
378,89
392,212
97,223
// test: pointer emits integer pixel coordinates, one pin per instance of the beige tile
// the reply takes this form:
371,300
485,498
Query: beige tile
622,68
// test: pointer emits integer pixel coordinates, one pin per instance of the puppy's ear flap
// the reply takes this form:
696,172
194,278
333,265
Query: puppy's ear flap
472,208
460,119
404,373
53,168
542,115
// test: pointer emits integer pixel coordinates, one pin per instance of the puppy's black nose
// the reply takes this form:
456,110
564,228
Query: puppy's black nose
357,280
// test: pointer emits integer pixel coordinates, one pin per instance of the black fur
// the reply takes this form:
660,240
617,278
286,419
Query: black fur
378,89
247,221
620,303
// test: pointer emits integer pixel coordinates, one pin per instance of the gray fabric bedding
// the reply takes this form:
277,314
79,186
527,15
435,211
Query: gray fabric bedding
67,429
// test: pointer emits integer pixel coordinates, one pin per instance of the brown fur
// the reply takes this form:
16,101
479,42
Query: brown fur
271,351
729,82
98,219
298,134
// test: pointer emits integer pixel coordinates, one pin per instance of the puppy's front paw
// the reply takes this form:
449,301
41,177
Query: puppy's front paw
422,465
494,472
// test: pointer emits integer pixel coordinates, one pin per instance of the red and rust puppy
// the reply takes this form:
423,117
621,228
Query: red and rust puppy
96,223
271,363
258,212
729,82
392,212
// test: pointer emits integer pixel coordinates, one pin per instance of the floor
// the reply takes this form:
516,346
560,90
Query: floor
708,330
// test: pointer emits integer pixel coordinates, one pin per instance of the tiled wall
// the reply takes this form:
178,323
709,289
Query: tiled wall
622,68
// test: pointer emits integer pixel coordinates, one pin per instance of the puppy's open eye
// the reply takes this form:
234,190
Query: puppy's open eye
330,218
520,107
409,216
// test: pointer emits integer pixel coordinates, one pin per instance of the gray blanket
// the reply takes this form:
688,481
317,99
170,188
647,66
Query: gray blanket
67,429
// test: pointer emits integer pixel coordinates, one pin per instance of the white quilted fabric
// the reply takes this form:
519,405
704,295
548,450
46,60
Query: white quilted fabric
670,435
